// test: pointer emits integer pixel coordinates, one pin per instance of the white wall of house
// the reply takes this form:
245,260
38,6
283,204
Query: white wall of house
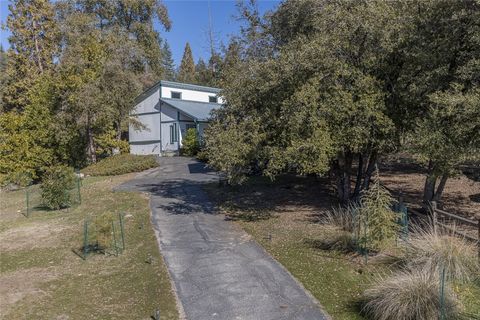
157,119
192,95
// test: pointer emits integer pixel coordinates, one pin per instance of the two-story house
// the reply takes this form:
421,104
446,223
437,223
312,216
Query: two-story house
165,112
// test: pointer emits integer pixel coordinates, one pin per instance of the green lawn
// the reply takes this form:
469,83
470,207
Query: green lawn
43,278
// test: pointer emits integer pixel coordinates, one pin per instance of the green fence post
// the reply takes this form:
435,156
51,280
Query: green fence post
85,239
78,190
122,230
442,295
27,198
114,239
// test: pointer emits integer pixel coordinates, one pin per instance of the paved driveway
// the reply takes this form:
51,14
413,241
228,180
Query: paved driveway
218,271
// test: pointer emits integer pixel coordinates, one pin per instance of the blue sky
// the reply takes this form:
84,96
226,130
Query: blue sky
190,23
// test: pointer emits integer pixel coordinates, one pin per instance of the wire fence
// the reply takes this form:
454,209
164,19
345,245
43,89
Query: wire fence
34,202
103,234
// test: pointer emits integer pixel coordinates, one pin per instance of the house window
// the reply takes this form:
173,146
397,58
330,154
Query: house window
173,133
213,99
176,95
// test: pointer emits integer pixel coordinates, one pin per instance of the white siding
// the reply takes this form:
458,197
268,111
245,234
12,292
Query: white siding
192,95
151,132
145,148
149,104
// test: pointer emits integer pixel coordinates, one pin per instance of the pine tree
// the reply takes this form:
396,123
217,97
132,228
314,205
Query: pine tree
377,221
3,75
33,45
168,63
203,74
186,72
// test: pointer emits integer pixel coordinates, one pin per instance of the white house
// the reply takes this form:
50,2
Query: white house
167,110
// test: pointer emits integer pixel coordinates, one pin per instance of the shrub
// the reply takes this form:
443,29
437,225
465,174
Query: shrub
377,222
190,144
434,251
57,182
409,295
120,164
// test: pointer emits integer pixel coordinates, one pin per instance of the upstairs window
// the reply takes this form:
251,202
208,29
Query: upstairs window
212,99
176,95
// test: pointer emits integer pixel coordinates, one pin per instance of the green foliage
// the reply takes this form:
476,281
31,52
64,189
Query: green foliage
24,152
230,146
377,222
33,46
56,183
107,143
190,144
120,164
186,72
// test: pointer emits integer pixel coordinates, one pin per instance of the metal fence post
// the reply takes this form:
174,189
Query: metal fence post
442,294
433,208
27,199
85,239
122,230
78,190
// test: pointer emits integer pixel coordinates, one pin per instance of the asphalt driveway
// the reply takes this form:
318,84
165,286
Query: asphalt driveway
218,271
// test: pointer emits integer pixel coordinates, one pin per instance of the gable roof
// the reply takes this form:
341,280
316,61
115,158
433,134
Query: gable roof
176,85
199,111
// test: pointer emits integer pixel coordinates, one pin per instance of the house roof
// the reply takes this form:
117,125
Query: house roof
199,111
176,85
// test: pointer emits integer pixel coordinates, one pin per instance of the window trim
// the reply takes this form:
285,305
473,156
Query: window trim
173,133
173,92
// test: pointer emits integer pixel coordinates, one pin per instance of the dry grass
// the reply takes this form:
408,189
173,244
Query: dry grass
434,251
42,278
409,295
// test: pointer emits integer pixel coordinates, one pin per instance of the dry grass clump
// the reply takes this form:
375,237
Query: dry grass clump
434,251
341,217
337,240
409,295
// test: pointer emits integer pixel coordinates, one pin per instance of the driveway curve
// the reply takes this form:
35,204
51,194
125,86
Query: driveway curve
218,271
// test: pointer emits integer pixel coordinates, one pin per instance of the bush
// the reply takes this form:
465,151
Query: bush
409,295
57,182
377,221
434,251
121,164
190,144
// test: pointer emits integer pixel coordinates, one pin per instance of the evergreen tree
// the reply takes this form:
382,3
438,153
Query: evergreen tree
186,72
3,75
203,73
33,46
167,62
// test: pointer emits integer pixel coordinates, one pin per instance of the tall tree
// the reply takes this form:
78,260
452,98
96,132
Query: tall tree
186,72
438,85
33,46
168,64
3,75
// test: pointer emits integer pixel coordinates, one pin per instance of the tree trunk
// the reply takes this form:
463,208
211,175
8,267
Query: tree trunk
343,167
372,162
430,182
91,152
440,188
429,188
118,137
360,173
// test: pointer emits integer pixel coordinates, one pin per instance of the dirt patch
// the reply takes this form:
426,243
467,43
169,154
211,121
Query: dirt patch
37,235
459,197
24,284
